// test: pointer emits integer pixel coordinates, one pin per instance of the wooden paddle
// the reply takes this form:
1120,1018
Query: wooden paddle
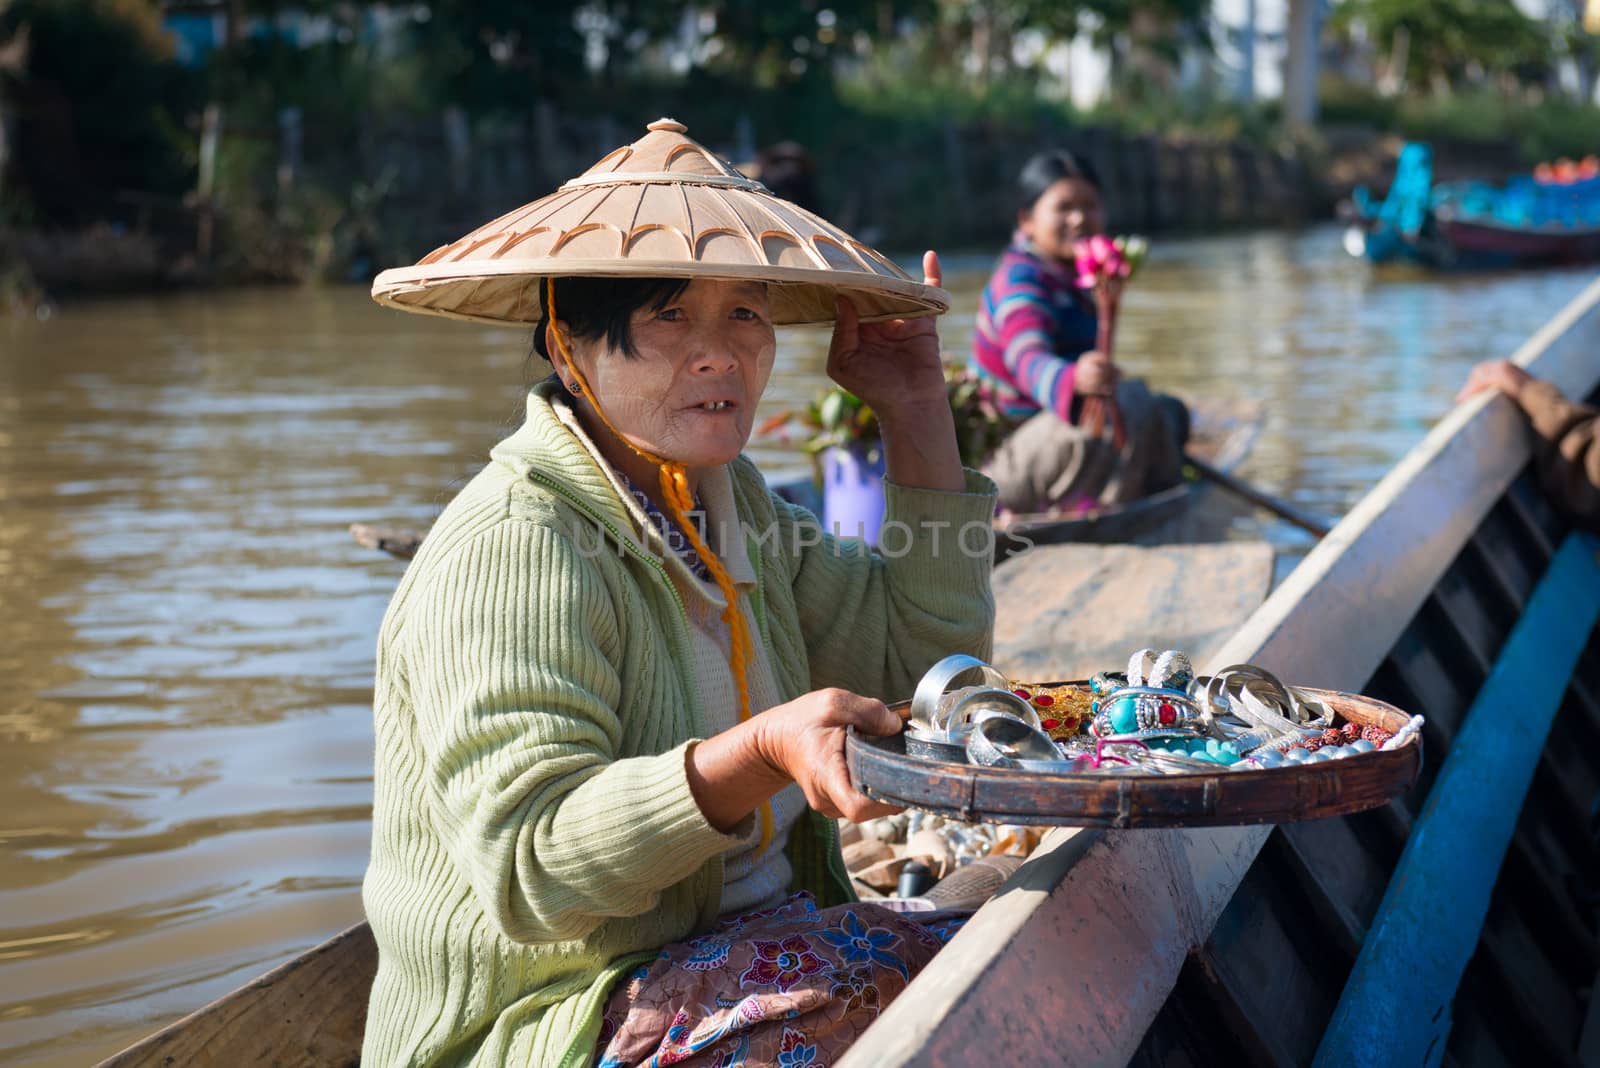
1304,520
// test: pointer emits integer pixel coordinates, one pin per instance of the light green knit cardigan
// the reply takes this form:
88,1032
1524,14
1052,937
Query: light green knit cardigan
534,835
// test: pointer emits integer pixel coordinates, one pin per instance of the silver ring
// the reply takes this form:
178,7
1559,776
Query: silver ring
980,704
1170,665
1002,741
1136,663
1147,715
925,701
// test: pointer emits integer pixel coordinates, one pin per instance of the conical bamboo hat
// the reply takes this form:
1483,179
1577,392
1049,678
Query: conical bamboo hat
664,206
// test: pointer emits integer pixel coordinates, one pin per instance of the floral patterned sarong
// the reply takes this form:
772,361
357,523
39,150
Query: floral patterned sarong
791,987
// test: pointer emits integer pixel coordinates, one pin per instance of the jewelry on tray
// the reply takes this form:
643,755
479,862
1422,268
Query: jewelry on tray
1063,710
1141,708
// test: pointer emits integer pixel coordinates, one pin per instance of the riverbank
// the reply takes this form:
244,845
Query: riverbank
299,203
439,179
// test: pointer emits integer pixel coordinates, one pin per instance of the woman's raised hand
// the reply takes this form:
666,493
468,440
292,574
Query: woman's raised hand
1503,375
804,739
890,365
1094,375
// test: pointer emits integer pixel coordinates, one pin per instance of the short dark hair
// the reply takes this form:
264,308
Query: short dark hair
1046,169
604,307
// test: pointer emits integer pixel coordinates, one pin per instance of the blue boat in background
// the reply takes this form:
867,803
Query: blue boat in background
1545,217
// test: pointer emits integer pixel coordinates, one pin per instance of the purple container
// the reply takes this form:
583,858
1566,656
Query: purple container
852,493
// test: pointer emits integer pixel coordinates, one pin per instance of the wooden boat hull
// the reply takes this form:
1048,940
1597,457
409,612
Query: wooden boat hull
1223,435
307,1013
1476,239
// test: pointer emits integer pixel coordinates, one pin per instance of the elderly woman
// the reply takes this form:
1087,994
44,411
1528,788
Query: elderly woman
1034,348
614,687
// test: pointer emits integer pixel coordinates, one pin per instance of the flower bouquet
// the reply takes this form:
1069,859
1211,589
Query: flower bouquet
1104,266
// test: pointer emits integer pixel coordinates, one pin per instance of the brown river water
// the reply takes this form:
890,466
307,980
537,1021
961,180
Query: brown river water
186,628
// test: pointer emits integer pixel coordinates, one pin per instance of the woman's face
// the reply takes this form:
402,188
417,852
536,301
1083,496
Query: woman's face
1066,212
703,363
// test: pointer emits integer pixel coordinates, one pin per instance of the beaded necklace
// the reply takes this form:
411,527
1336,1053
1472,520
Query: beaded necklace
671,532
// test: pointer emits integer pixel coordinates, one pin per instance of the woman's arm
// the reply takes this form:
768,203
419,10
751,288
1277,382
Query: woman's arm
1025,326
1568,453
874,622
897,369
512,661
1569,450
802,741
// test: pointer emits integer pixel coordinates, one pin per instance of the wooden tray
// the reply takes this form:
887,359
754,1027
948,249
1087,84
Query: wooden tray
881,769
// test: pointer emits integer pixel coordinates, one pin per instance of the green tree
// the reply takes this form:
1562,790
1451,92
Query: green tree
97,108
1449,44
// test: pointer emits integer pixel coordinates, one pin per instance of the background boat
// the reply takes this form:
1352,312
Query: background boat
1222,436
1531,219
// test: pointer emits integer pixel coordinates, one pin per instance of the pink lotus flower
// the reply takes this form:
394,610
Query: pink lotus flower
1098,259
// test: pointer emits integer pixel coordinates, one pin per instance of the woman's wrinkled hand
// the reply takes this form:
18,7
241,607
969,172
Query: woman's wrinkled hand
804,739
1502,375
1094,375
890,365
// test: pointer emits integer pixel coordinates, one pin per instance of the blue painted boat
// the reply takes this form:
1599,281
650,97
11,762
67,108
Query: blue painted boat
1527,220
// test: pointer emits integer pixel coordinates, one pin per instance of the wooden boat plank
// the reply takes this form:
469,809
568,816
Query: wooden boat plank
1067,611
1386,829
1541,534
1302,884
1547,908
1202,1025
1413,955
1484,1040
1565,814
1534,1004
1476,627
1589,1037
1546,851
1568,757
1331,622
307,1013
1585,711
1260,959
1343,869
1438,687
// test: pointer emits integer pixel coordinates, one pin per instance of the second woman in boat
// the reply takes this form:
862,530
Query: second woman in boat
1035,350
